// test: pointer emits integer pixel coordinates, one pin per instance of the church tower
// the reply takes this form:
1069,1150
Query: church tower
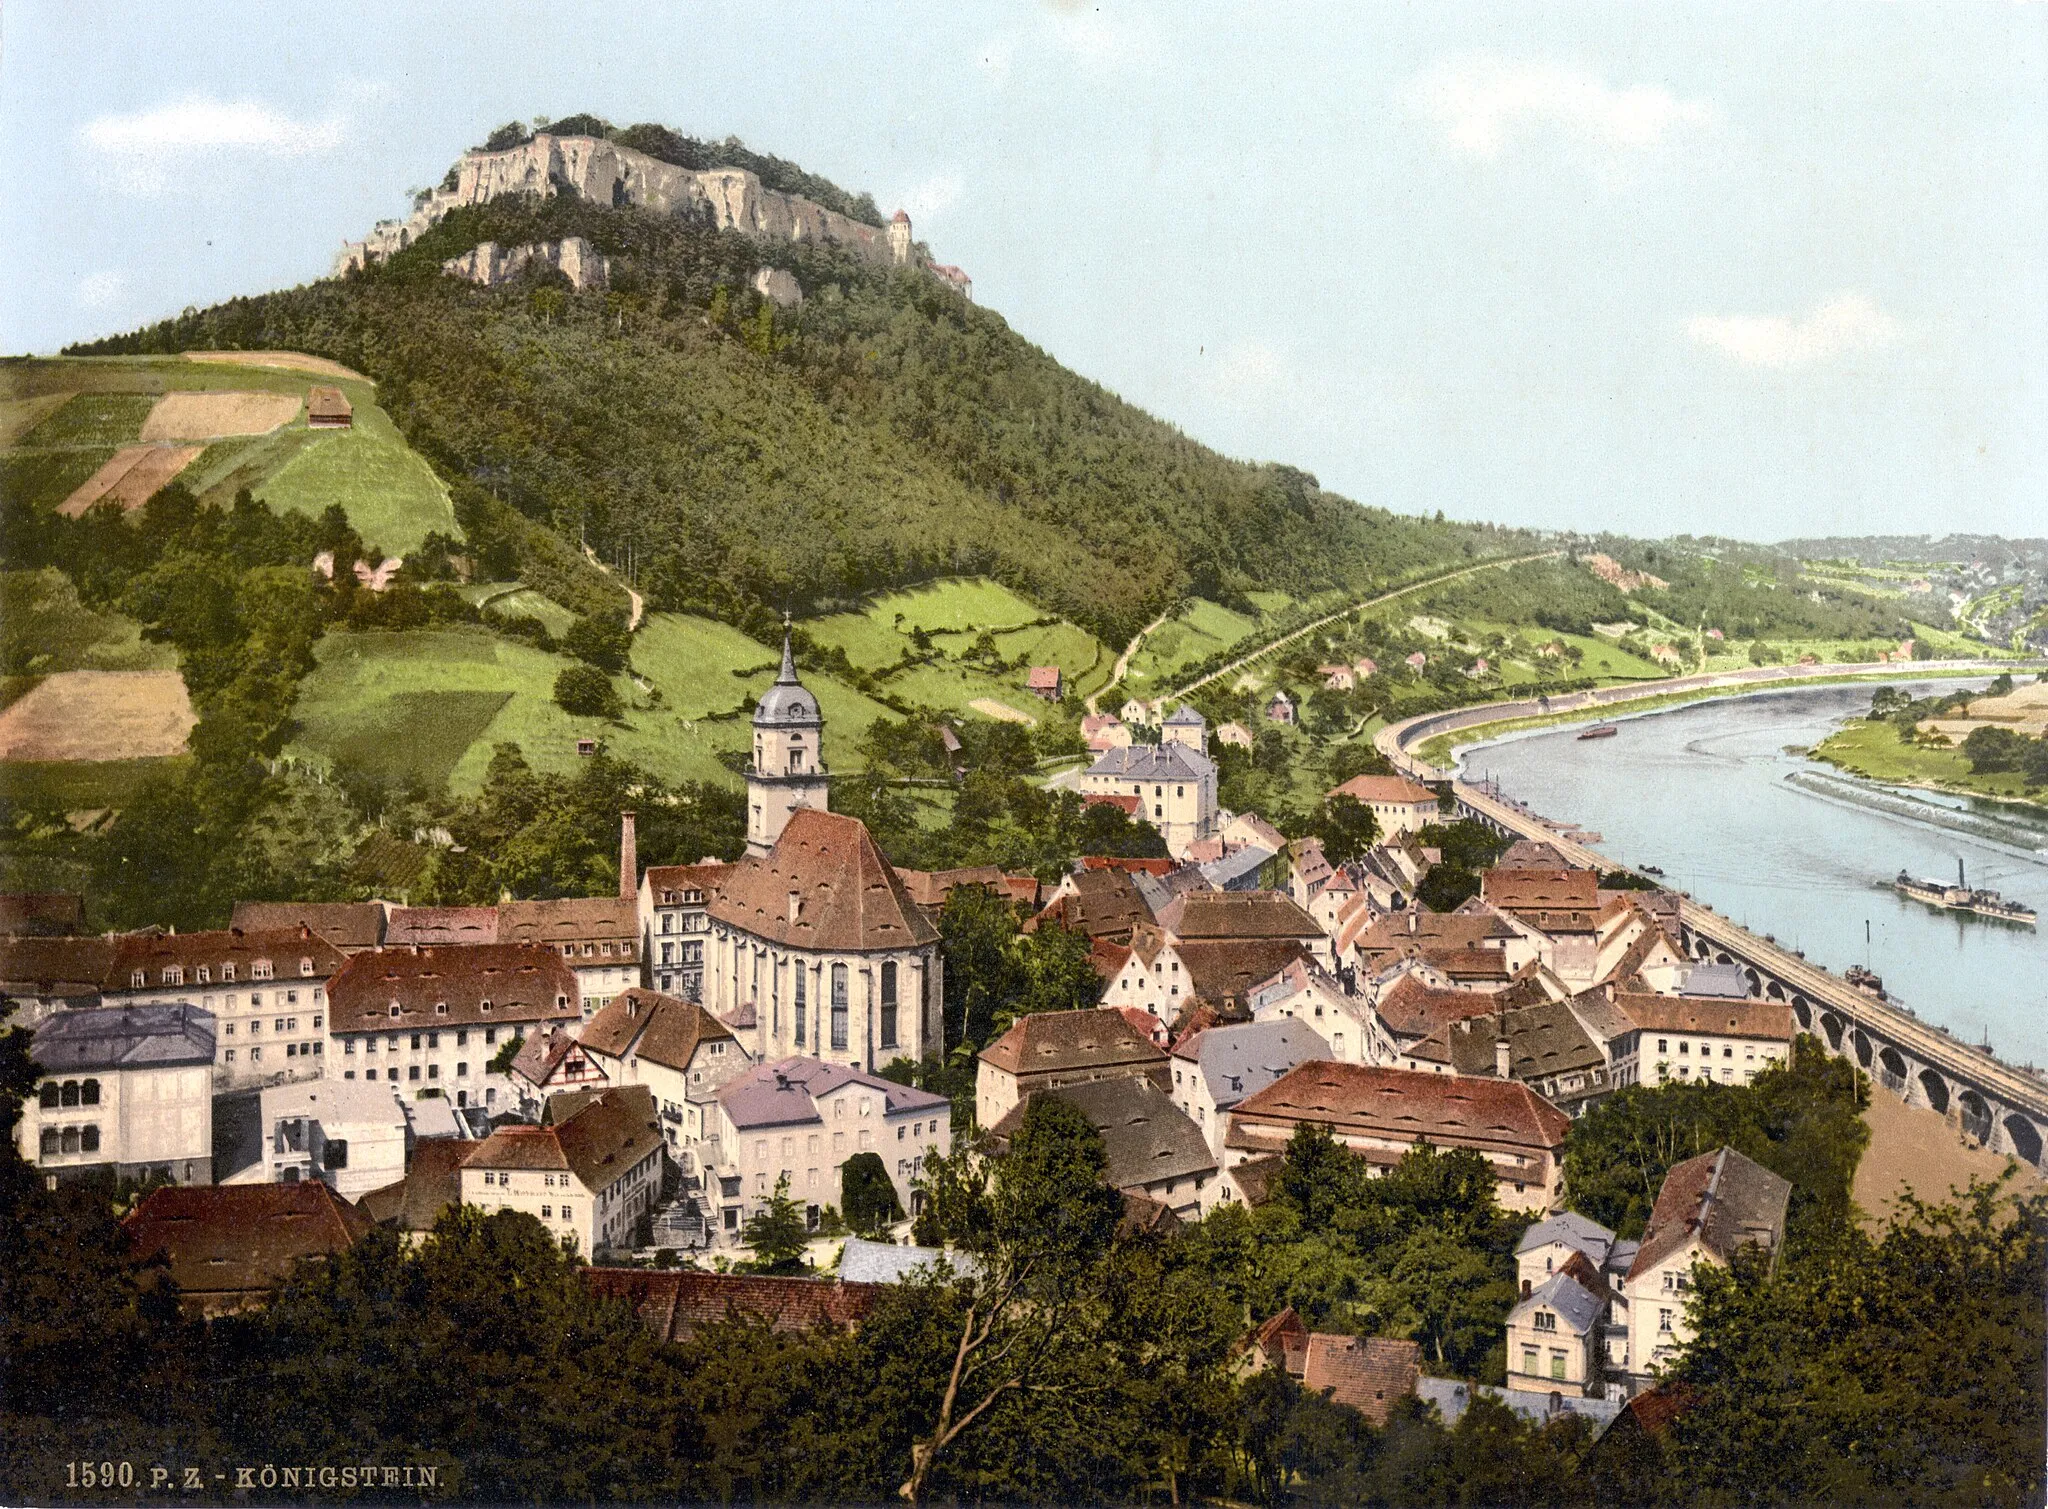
789,757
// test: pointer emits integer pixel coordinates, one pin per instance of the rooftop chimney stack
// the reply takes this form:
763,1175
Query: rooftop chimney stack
1502,1060
629,858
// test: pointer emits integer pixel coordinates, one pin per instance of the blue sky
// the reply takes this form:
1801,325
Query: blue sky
1759,270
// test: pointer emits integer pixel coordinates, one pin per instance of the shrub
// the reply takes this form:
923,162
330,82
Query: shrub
587,692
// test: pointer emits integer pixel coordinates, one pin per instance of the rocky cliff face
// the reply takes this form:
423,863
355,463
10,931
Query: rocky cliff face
732,198
489,263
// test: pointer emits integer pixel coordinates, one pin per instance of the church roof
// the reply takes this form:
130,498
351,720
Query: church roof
824,886
787,702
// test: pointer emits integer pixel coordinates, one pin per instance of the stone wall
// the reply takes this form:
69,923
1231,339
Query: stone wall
731,198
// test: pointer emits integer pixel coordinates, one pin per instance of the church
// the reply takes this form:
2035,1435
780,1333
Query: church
815,946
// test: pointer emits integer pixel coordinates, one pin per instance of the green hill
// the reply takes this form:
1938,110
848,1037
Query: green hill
738,458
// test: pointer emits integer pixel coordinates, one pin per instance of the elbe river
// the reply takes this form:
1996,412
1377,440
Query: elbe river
1700,791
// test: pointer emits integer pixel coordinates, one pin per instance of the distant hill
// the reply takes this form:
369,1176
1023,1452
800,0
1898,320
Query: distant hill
734,455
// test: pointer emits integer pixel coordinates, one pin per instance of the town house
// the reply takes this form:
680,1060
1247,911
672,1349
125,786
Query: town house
431,1019
676,1048
1153,1152
1174,780
1218,1067
227,1247
1678,1037
125,1090
347,1135
551,1062
1050,1049
675,920
266,991
1397,804
1381,1113
590,1174
801,1119
1708,1209
598,937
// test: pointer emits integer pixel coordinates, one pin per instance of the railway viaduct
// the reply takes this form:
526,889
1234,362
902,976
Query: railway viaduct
1993,1103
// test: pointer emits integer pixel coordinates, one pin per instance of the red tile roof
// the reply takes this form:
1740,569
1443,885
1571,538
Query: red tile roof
348,925
605,1136
1366,1373
1384,788
1216,915
448,986
1409,1106
285,952
1769,1020
1413,1009
1060,1041
227,1244
669,884
661,1029
847,896
1515,889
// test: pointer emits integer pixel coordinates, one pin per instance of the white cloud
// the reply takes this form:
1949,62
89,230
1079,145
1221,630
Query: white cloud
1069,33
1482,104
100,290
148,150
1847,323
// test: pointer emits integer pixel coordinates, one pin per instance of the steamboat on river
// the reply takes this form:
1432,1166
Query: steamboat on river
1960,898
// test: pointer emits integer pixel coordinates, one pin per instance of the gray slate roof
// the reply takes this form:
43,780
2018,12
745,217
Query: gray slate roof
1185,716
1580,1233
1721,981
1152,762
1568,1297
1242,1060
1146,1135
124,1037
1235,866
783,1094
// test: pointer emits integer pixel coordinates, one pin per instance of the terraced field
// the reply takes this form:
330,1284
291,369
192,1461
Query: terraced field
62,419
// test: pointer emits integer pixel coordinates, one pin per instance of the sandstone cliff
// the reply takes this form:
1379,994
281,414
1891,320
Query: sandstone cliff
602,173
489,263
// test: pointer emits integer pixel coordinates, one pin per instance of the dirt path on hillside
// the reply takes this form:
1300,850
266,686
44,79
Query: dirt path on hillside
639,602
1123,664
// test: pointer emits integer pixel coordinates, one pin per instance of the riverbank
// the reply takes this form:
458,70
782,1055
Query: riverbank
1443,749
1877,751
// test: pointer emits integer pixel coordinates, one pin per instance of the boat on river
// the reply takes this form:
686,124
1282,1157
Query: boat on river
1600,731
1870,983
1960,897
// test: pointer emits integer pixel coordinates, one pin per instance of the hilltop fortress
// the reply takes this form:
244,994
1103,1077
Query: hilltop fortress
605,173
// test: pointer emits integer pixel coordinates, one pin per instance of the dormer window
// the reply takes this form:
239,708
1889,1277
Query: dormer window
173,975
440,1008
227,974
137,980
305,966
486,1004
201,974
260,970
394,1008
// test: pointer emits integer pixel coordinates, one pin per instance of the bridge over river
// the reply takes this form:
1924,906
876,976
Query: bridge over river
1997,1105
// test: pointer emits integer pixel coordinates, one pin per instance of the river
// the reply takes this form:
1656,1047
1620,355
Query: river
1701,792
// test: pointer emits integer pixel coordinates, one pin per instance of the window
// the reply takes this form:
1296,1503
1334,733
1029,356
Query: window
889,1005
394,1008
336,1156
415,1042
1529,1360
1684,1047
1557,1365
1663,1045
201,974
138,979
900,1132
1663,1320
305,966
1728,1051
227,974
230,1056
49,1095
173,975
547,1212
462,1071
49,1143
490,1036
291,998
839,1013
1545,1321
433,1039
70,1096
260,970
391,1073
67,1140
411,1073
801,972
433,1071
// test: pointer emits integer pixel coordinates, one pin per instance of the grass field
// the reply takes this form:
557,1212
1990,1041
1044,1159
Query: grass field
1877,751
44,629
429,705
1194,635
953,614
389,493
517,601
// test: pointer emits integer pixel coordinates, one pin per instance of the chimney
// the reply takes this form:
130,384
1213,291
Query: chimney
796,907
629,858
1414,921
1501,1060
632,1005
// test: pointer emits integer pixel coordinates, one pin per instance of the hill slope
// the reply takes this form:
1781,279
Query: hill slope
738,457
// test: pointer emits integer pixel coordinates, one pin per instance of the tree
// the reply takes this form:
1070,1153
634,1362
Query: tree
501,1061
868,1196
776,1233
977,927
1346,827
587,692
599,640
1905,1369
1039,1222
1990,749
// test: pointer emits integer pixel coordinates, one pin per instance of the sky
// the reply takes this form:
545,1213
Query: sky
1752,270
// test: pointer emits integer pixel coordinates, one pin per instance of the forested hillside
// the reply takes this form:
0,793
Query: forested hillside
739,457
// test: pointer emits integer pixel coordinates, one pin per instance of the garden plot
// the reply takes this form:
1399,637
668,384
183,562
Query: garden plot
131,477
210,415
99,715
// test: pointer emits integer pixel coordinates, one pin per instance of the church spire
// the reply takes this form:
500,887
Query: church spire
788,676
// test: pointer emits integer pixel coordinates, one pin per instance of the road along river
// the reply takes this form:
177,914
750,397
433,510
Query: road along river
1701,792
